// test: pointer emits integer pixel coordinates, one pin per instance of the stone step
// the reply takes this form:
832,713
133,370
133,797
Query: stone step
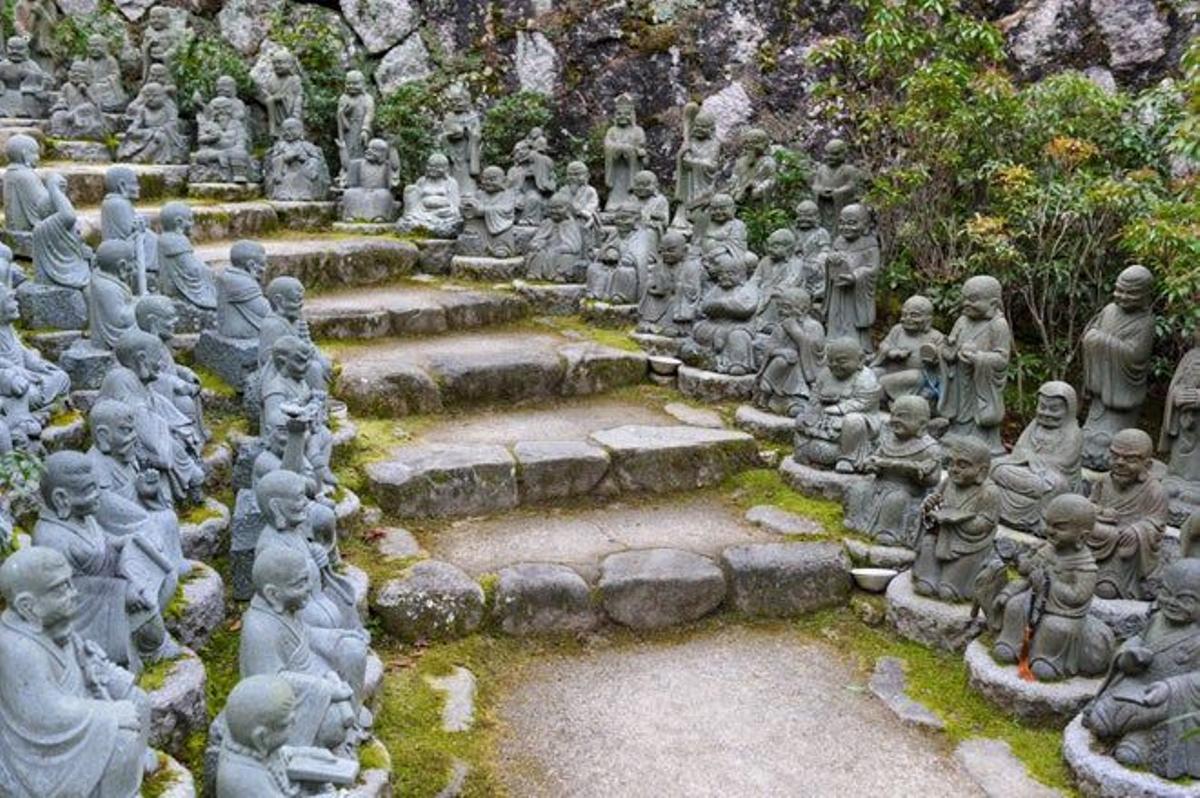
408,309
398,377
223,221
491,462
85,181
325,262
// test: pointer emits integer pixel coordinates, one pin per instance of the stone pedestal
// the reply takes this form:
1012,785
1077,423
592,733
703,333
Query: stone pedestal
203,607
435,254
201,540
371,205
765,425
486,269
551,300
1048,703
245,528
81,151
709,386
304,215
1098,775
605,314
178,707
932,623
86,365
817,482
1126,618
231,359
52,307
192,319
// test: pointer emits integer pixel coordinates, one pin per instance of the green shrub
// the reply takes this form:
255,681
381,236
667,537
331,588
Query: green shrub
409,119
71,34
201,60
509,121
791,186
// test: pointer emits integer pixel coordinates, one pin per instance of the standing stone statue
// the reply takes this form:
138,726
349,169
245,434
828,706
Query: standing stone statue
837,184
696,165
754,171
839,425
124,582
812,242
906,464
460,138
71,722
110,302
790,348
76,113
722,340
182,276
355,120
974,364
432,203
222,154
23,366
624,152
656,308
1117,344
961,513
370,183
295,168
24,86
26,199
1052,598
556,251
585,202
1147,709
531,179
489,216
1131,518
282,92
105,85
156,315
153,135
1045,461
1179,438
60,257
160,41
241,305
907,359
655,210
120,221
851,270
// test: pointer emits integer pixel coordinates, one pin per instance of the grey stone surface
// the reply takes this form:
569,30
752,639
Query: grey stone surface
1126,617
694,416
486,269
537,63
231,359
244,530
736,712
762,424
72,435
86,365
212,222
458,710
569,420
178,708
786,579
605,314
543,598
396,543
404,309
1134,30
85,181
445,480
889,684
592,369
404,63
937,624
709,386
997,771
432,601
558,469
659,459
880,556
781,522
380,25
177,780
329,262
203,607
52,307
551,300
1100,776
1050,703
656,588
245,23
817,482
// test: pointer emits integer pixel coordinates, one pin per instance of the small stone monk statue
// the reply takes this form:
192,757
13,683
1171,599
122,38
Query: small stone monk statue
723,339
110,302
697,163
812,242
839,425
460,137
105,86
282,92
369,185
182,275
657,306
837,184
1147,709
26,199
1042,618
489,214
71,722
974,364
76,114
1131,518
778,270
432,203
655,211
60,257
960,525
790,350
120,221
355,120
44,383
222,154
295,168
24,86
907,359
754,171
241,305
160,41
906,464
155,314
154,134
286,297
624,151
851,271
285,383
556,251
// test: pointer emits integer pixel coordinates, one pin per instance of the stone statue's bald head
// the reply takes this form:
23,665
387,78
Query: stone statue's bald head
31,570
117,177
113,256
107,412
134,344
1132,442
245,252
275,565
1070,508
153,308
258,702
279,484
21,148
61,470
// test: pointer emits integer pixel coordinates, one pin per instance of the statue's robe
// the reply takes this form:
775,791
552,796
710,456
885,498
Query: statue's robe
621,161
296,172
973,393
1180,435
769,279
153,136
59,255
729,237
274,327
690,282
790,351
120,221
106,85
492,221
753,177
855,429
1044,463
47,381
58,734
25,197
850,309
279,390
76,115
656,305
354,114
122,511
1116,365
696,167
726,330
656,215
811,246
241,305
110,310
888,507
241,772
461,140
285,100
949,560
556,252
432,205
1141,508
910,376
182,275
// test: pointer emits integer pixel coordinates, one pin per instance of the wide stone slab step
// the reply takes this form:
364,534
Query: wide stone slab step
213,222
656,588
85,181
407,310
397,377
326,262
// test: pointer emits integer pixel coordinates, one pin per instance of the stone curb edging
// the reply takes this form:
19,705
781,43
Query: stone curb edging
1100,776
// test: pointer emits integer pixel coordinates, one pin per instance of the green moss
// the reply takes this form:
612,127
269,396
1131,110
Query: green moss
374,756
765,486
573,325
155,676
199,514
177,606
64,417
209,381
221,664
162,780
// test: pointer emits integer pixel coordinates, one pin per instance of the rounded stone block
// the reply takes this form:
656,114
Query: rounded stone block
924,620
1125,617
433,601
201,539
656,588
52,307
470,267
202,609
360,585
445,480
672,458
231,359
551,300
404,389
781,580
178,707
709,386
1047,703
543,598
606,314
895,557
558,469
1098,775
72,435
762,424
592,369
817,482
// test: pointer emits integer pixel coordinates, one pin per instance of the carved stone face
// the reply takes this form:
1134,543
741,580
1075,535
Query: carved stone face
130,188
721,210
185,223
1130,296
376,151
844,361
780,247
978,303
1128,464
916,317
291,594
492,180
907,423
295,363
852,223
289,304
160,20
77,496
355,84
281,64
726,274
835,152
1178,600
626,220
437,168
964,470
1051,411
704,127
292,130
623,116
18,50
118,438
673,250
577,175
274,732
54,605
147,365
79,74
97,47
559,210
226,87
1065,528
156,98
807,215
644,187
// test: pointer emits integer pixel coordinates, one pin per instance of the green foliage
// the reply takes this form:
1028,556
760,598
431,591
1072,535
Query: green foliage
20,472
509,121
791,186
71,34
408,118
201,60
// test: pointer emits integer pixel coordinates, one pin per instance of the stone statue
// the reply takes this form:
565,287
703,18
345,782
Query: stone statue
110,302
1146,709
656,309
851,270
124,581
1131,518
76,113
295,168
153,135
182,276
656,212
241,304
26,199
11,274
777,271
369,185
1045,461
356,122
696,165
691,279
974,364
30,385
120,221
790,348
556,251
906,464
159,74
59,255
156,315
71,722
284,443
812,242
275,642
160,41
837,184
839,425
624,152
724,230
432,203
613,275
906,362
1042,618
26,86
1179,438
753,178
531,179
585,202
105,85
286,298
958,525
1117,344
460,138
222,153
489,216
282,92
722,340
285,387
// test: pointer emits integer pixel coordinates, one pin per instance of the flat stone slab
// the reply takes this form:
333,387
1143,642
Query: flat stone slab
231,359
178,708
895,557
490,270
661,459
549,470
79,150
817,482
85,181
605,314
203,607
782,580
51,307
405,310
996,769
656,588
1049,703
551,299
781,522
768,426
396,543
327,262
445,480
933,623
694,416
432,601
543,598
737,712
1098,775
458,711
709,386
889,684
212,222
225,192
1125,617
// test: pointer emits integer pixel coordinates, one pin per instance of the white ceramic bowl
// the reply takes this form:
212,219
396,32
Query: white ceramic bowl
873,580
